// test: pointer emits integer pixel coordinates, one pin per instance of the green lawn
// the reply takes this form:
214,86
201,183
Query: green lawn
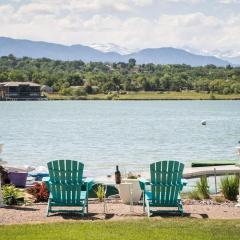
176,228
185,95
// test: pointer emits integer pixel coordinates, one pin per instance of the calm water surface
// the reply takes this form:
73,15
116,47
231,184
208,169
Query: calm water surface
131,134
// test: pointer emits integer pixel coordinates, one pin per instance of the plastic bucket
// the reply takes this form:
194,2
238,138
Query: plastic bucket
18,178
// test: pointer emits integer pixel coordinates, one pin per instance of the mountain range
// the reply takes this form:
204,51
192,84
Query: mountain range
165,55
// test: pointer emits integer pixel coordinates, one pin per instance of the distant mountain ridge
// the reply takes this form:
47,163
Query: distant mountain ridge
166,55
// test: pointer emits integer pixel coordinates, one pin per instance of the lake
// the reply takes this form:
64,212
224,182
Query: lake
131,134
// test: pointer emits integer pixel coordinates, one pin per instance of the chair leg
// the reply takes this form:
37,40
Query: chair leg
49,207
148,208
180,209
144,210
87,208
87,201
83,208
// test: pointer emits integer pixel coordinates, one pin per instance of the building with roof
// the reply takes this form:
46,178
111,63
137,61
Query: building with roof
20,91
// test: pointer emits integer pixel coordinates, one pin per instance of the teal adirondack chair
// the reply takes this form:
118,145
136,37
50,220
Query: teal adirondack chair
166,183
67,186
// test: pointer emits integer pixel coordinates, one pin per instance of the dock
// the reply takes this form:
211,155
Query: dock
190,173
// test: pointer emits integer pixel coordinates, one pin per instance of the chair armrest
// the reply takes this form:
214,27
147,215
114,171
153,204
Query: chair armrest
47,181
89,183
184,182
143,182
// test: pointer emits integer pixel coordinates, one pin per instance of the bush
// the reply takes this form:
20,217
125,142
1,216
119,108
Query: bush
202,187
194,195
212,97
79,92
219,199
100,192
201,190
39,191
229,186
66,91
226,90
11,195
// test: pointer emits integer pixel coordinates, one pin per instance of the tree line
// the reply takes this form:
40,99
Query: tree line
79,78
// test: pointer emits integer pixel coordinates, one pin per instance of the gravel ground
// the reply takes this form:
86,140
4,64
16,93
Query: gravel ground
115,211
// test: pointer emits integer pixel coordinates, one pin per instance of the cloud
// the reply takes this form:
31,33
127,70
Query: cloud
142,3
122,22
229,1
183,1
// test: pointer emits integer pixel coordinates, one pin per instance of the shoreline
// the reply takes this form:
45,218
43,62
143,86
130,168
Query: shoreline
35,213
138,96
148,96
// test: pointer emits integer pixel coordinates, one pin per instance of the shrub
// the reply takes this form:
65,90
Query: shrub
202,187
201,190
100,192
132,177
11,195
212,97
219,199
66,91
194,195
39,191
79,92
229,186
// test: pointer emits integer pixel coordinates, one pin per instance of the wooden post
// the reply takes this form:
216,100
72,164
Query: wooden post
238,204
215,179
1,198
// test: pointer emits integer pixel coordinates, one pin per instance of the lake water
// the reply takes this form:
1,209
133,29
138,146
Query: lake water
131,134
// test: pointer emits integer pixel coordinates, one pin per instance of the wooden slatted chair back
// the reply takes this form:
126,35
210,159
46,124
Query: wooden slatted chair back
65,181
166,182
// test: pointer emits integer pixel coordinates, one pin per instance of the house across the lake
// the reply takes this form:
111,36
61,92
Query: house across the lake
20,91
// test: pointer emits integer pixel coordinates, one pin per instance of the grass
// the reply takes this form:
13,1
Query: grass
185,95
177,228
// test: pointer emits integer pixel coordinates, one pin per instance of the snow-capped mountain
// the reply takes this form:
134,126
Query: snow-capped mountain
111,47
231,56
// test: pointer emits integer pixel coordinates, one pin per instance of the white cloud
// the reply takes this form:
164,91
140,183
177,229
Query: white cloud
99,21
183,1
142,3
229,1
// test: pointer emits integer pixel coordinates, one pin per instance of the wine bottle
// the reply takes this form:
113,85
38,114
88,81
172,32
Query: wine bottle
117,176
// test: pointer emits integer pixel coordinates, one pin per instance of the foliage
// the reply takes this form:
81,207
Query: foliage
100,192
230,186
109,77
201,190
39,191
11,194
195,195
132,177
202,187
219,199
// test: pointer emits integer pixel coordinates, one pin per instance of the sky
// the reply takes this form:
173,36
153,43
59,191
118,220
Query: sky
206,26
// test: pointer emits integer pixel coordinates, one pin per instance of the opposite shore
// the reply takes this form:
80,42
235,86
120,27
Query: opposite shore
184,95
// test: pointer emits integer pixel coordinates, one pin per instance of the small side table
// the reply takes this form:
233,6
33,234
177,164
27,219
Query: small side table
108,184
